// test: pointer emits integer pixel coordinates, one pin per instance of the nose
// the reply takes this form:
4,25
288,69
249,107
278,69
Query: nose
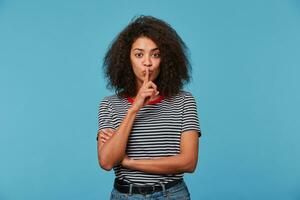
147,61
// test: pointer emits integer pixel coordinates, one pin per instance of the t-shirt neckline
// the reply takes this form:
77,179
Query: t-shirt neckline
155,101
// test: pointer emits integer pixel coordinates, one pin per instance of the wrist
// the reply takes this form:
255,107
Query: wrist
133,110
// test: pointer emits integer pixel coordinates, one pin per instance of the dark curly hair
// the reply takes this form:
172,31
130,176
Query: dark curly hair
174,66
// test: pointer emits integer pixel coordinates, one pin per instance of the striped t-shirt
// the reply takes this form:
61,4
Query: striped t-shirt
156,131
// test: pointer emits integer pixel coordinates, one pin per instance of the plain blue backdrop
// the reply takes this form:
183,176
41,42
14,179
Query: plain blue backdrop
245,57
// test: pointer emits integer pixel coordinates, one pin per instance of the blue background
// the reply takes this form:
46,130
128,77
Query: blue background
245,58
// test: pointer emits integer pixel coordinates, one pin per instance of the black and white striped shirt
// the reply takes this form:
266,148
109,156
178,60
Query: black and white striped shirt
156,131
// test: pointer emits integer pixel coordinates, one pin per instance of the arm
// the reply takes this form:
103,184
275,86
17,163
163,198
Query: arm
108,154
186,161
112,151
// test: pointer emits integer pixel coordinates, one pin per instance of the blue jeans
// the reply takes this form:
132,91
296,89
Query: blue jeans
177,192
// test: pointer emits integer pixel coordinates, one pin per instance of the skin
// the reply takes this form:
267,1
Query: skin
145,61
145,58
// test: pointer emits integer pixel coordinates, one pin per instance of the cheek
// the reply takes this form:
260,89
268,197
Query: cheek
156,72
157,66
137,70
134,65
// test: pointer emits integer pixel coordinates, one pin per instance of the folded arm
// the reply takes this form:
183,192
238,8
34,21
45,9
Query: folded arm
108,155
186,161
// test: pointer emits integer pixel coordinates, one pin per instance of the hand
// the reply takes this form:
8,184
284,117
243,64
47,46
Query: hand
106,134
147,91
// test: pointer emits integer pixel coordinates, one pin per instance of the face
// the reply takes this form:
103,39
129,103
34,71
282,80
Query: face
145,54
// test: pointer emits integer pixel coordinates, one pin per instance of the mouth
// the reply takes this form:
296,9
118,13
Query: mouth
149,73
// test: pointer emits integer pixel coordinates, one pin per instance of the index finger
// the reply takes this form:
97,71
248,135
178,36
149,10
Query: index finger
146,79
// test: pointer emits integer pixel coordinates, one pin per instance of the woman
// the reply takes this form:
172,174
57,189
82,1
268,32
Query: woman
148,131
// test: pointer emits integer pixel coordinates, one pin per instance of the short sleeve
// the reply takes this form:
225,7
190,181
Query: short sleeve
190,119
104,115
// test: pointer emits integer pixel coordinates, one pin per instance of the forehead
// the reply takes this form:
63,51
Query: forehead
144,43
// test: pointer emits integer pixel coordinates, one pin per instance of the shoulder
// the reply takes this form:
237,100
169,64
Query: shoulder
186,94
113,102
182,95
181,99
111,99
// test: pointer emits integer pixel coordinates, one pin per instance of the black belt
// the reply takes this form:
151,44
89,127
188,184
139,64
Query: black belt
124,187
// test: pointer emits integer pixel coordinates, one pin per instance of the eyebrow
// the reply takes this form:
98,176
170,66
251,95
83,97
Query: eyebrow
143,49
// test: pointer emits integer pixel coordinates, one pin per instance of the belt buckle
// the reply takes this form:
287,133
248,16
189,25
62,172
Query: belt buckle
140,190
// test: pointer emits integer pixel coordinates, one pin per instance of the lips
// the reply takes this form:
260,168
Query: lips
149,73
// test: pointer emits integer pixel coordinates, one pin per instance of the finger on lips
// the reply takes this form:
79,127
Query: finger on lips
146,76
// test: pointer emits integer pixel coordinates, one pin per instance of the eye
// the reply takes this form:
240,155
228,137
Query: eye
156,55
138,55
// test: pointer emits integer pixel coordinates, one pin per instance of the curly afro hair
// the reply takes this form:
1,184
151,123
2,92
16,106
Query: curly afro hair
174,66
